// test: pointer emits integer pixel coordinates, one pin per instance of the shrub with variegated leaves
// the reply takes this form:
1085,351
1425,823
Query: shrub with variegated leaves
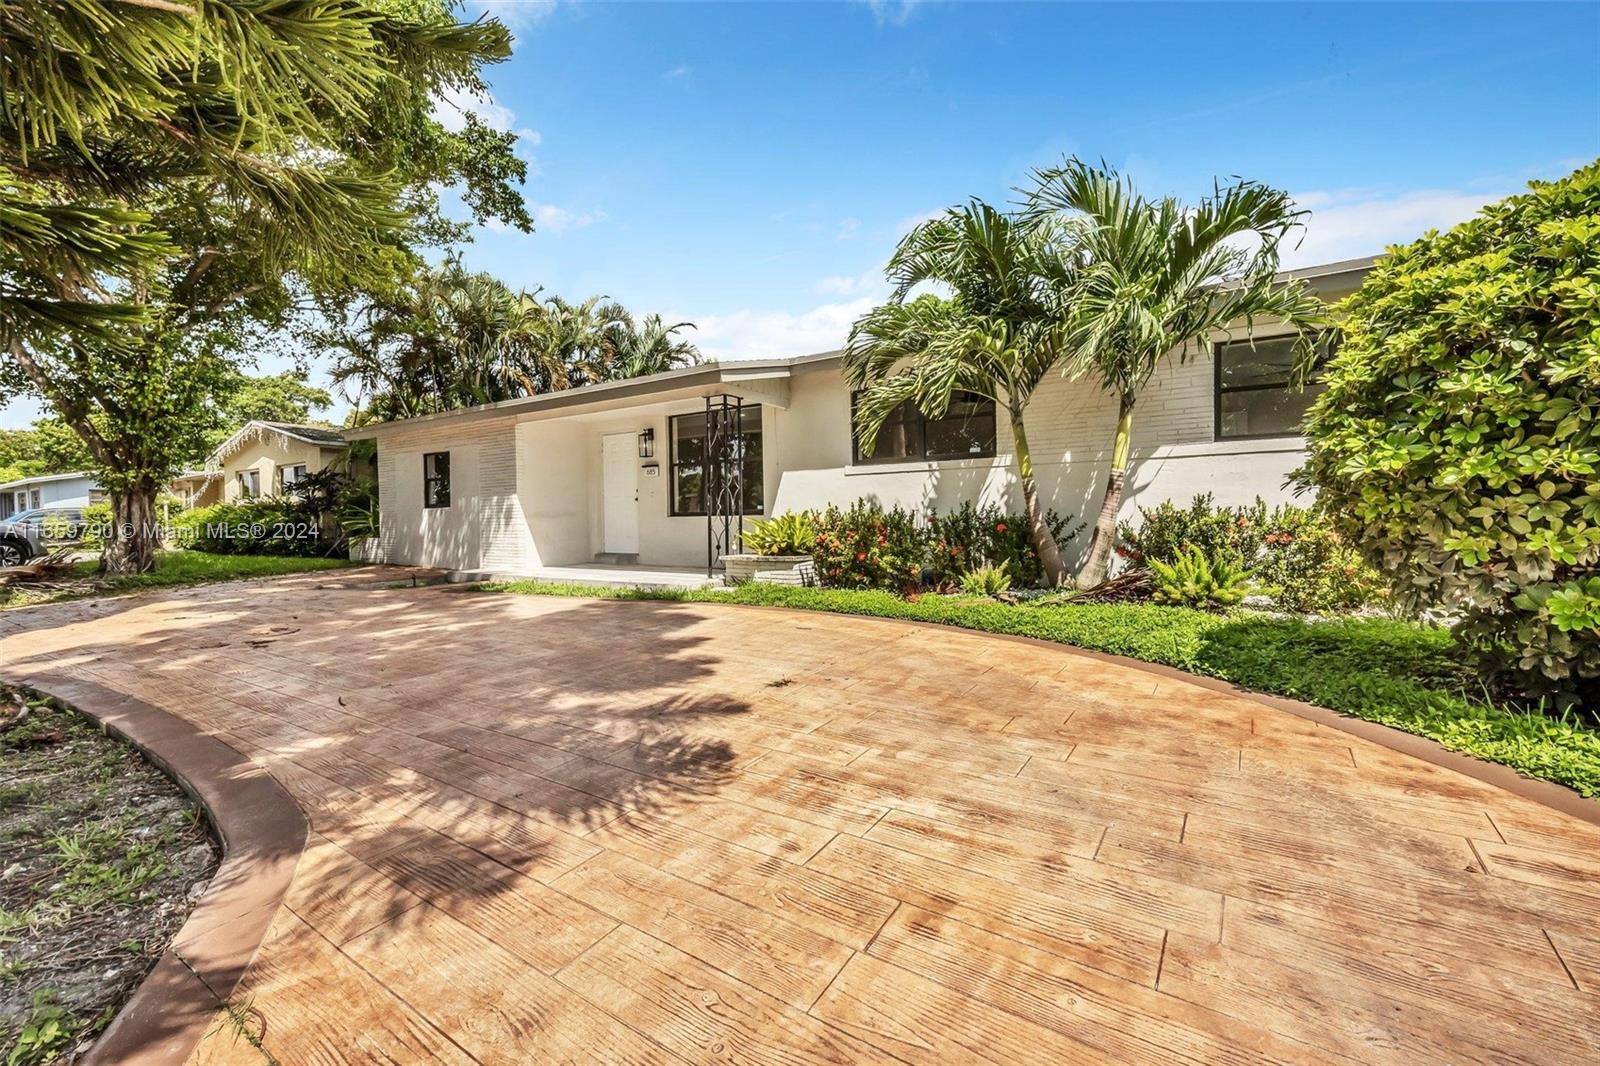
1459,437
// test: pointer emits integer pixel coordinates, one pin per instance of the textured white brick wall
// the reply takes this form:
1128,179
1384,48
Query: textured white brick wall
483,528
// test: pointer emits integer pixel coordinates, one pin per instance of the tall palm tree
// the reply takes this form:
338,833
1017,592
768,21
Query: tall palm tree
1158,276
649,347
1004,327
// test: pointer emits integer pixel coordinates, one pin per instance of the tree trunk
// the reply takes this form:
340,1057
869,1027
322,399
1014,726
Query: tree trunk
134,535
1105,527
1044,542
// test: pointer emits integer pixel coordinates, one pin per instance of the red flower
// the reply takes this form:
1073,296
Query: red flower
861,556
999,527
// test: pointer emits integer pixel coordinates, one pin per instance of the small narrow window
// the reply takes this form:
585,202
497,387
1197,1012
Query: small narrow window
436,479
293,475
249,484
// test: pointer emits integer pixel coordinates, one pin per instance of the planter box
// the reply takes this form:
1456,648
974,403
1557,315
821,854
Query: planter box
778,569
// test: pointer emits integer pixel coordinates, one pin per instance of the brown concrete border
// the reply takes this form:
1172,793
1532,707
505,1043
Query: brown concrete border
263,833
1548,793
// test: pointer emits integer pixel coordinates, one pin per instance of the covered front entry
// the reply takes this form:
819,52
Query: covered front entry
620,498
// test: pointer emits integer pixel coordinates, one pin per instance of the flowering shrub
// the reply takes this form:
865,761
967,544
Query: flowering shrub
866,546
1306,566
971,537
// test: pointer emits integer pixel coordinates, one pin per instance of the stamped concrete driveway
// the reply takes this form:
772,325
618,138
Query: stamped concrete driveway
552,830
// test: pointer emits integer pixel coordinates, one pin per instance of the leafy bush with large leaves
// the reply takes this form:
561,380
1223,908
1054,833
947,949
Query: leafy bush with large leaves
1457,441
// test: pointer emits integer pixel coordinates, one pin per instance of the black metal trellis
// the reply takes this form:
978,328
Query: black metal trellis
724,478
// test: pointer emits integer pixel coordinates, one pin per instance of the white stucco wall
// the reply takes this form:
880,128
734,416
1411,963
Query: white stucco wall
483,528
530,494
1070,426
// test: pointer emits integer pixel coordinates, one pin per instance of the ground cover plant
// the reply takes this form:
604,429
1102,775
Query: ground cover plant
1403,674
172,568
105,856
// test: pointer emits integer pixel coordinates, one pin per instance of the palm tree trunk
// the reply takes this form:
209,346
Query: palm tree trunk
1044,542
1105,527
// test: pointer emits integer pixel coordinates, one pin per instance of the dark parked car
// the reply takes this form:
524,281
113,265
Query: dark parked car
38,532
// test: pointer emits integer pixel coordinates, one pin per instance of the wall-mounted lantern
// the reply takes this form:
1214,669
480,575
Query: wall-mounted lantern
647,443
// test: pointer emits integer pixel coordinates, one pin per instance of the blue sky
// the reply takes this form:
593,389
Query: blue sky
749,166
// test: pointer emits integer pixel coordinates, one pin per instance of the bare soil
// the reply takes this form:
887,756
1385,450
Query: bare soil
102,857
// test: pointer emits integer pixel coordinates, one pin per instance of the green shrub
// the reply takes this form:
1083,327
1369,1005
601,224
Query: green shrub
794,533
357,509
986,581
1457,441
971,537
866,546
1295,554
1195,579
1307,567
1166,530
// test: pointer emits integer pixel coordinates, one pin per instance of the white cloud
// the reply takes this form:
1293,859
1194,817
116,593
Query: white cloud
769,334
678,73
911,222
518,16
553,219
847,284
451,110
849,229
893,12
1350,224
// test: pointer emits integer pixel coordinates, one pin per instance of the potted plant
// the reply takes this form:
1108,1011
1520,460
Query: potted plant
780,545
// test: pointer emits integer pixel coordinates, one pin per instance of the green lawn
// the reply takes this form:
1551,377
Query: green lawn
172,568
1402,674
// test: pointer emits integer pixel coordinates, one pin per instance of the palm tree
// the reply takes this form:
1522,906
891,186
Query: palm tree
1157,276
644,348
1000,332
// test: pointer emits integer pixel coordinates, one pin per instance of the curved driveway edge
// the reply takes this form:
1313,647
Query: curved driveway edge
1548,793
263,833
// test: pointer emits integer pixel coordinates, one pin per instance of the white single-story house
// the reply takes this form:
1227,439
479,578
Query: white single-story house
613,472
76,490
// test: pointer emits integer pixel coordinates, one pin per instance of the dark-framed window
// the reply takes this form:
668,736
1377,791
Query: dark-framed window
687,441
966,430
1256,393
436,479
249,484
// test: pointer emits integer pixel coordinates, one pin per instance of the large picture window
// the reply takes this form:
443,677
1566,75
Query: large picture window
1256,395
965,431
436,479
688,442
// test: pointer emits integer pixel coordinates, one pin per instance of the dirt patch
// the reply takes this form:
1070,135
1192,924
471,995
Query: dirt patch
102,857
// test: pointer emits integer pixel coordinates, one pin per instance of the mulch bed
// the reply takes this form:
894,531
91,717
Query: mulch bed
102,857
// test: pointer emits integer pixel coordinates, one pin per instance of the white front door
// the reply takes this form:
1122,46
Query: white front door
620,478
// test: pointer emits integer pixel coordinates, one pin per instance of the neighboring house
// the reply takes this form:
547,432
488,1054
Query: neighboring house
264,459
197,488
613,471
48,490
